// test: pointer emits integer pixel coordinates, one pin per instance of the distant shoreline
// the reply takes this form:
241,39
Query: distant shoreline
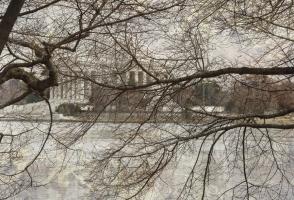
137,118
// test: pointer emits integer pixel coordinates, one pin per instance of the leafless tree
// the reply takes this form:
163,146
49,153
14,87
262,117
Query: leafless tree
177,46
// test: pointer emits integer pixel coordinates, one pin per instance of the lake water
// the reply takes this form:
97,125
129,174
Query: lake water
61,172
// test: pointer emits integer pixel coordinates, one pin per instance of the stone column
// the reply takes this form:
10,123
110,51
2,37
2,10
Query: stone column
58,89
79,89
82,94
86,92
140,77
75,89
65,92
51,93
61,87
70,87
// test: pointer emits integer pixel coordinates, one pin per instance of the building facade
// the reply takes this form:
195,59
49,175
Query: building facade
76,87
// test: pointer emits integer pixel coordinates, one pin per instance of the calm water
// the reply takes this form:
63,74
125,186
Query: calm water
62,172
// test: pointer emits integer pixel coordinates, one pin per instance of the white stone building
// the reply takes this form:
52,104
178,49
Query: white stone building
76,87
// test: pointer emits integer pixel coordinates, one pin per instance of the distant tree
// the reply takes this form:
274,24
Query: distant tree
201,94
68,109
285,96
209,93
252,96
128,101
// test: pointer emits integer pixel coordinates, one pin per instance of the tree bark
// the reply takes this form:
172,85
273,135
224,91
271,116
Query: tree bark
9,20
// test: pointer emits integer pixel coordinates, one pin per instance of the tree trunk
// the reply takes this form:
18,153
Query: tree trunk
9,20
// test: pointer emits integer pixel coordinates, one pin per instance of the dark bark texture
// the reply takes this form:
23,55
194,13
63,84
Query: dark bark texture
9,20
